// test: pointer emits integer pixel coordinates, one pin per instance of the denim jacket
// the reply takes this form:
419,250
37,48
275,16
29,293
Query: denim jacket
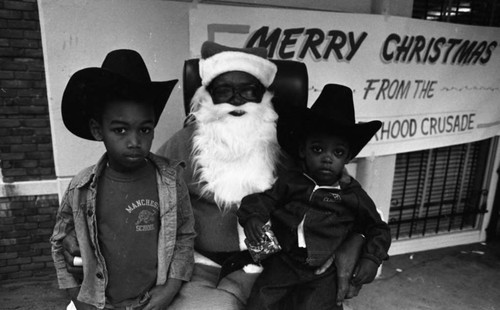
328,216
77,212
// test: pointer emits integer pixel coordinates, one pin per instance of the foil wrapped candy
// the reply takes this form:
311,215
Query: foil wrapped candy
262,250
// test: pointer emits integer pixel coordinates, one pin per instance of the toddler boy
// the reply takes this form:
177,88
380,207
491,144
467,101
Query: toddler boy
314,207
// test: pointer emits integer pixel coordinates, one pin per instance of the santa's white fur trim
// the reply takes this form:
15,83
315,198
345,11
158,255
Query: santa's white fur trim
263,69
242,237
253,268
203,260
234,155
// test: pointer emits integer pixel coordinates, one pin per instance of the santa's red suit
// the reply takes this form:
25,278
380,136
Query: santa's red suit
230,150
226,158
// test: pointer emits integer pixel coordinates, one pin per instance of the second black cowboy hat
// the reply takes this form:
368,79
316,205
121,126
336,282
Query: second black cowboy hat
123,69
332,112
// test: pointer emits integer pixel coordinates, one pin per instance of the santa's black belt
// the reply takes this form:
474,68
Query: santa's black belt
229,261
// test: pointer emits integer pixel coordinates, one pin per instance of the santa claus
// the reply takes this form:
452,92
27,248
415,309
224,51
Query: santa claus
231,150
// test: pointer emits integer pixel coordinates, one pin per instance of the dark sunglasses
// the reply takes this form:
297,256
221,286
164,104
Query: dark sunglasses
223,93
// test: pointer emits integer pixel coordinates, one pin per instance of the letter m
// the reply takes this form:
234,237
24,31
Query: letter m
270,42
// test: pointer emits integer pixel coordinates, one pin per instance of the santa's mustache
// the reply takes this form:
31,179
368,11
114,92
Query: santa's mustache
223,110
218,112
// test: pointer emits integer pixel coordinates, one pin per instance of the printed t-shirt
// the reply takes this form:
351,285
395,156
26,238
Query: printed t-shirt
128,225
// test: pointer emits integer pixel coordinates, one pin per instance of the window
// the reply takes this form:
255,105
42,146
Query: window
468,12
439,190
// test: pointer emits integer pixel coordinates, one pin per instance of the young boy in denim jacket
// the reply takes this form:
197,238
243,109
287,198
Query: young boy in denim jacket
314,207
131,211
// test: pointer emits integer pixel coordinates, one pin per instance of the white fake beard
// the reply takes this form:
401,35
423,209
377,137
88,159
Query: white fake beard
234,155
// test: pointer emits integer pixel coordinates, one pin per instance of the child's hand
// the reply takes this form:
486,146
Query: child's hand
365,272
161,296
71,249
254,230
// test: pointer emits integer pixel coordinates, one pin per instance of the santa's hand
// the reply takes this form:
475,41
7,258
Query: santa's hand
353,291
346,257
254,230
71,250
365,272
344,286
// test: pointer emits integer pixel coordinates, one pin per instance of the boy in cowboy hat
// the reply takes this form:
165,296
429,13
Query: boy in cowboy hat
314,207
131,211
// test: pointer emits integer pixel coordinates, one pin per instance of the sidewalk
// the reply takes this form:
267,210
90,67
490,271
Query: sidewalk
457,278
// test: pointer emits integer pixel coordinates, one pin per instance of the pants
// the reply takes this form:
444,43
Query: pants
203,292
139,304
287,284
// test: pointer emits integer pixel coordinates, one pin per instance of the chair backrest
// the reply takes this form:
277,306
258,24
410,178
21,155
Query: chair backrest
290,86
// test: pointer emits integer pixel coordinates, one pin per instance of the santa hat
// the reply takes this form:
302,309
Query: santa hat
217,59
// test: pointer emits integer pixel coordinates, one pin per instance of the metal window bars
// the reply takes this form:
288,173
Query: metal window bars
438,190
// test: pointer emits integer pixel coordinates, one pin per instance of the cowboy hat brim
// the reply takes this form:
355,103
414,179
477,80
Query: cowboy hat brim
77,99
295,124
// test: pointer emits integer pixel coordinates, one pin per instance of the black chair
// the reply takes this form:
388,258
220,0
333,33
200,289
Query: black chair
290,85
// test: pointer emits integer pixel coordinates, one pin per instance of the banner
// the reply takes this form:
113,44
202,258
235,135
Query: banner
432,84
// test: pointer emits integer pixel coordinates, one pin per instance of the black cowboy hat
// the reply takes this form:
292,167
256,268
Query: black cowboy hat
332,112
121,69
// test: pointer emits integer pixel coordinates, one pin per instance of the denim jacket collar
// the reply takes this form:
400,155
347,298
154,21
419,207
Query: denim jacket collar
166,169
